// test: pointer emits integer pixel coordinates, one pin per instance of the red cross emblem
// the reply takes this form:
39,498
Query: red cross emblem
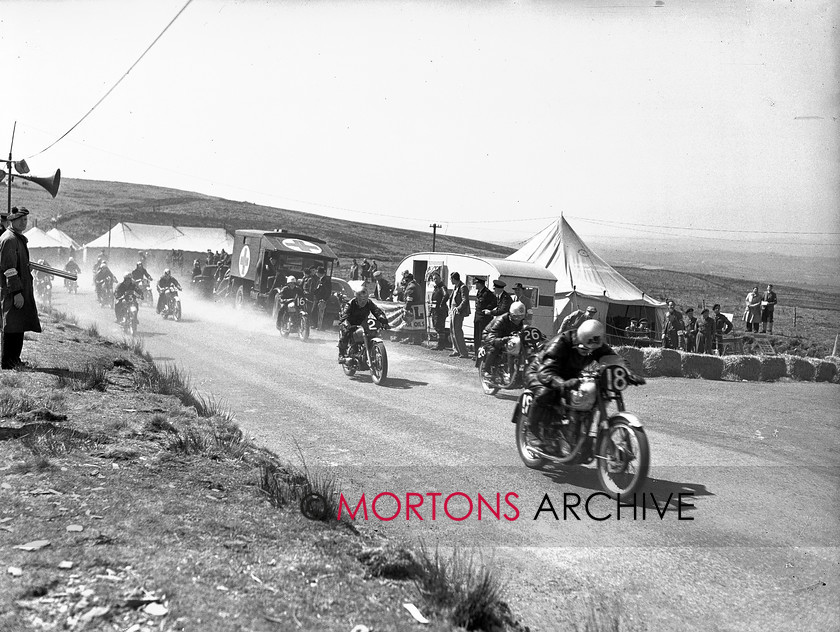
302,246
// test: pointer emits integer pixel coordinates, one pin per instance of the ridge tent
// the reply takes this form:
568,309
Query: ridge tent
66,240
583,279
126,240
43,246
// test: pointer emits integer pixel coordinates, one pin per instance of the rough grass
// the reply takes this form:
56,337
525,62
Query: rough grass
14,401
465,587
91,377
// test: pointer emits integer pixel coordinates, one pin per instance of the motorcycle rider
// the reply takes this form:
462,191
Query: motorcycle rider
498,331
141,276
556,370
104,278
123,294
73,268
43,280
353,313
163,288
290,291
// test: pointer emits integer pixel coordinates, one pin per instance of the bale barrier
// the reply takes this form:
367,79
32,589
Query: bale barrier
737,368
704,366
772,368
662,362
825,371
633,357
799,368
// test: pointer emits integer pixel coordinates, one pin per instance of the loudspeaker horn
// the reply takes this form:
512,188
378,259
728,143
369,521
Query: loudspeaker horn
50,184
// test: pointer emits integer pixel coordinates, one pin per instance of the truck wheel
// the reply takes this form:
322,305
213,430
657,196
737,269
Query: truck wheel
239,298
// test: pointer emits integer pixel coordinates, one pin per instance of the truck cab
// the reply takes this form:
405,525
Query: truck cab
262,260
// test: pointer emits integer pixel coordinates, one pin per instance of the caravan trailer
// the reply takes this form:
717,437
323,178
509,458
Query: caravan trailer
538,281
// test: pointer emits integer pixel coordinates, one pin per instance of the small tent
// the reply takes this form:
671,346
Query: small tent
43,246
584,279
66,240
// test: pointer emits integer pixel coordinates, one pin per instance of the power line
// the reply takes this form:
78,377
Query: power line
119,81
710,230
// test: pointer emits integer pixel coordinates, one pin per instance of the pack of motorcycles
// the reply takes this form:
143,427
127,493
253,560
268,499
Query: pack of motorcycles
591,426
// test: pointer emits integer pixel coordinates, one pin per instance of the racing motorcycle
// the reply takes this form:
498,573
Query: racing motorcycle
43,287
146,289
294,319
105,293
129,319
366,352
511,362
171,303
587,431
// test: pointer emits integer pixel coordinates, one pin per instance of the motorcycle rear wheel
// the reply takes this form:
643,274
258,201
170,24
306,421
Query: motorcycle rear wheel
378,363
623,457
486,386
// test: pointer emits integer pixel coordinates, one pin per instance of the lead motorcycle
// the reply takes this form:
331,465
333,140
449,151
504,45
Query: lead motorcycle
366,352
588,431
294,319
508,371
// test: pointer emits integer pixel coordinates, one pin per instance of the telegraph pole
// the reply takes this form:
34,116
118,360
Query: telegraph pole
434,228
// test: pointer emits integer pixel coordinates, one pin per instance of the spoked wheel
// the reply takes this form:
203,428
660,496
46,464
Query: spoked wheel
623,457
177,312
523,440
378,363
486,385
284,325
303,328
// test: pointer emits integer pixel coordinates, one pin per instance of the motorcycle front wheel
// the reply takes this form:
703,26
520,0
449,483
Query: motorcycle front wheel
623,457
285,326
378,363
523,441
486,385
303,328
177,312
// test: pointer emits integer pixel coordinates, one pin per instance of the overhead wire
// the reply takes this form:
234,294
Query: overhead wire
113,87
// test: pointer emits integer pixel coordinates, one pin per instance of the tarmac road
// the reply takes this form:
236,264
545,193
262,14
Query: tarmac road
758,462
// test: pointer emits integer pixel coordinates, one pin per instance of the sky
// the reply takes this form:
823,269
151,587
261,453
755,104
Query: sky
652,119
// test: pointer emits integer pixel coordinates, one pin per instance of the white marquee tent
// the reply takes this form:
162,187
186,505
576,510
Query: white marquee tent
44,246
584,279
66,240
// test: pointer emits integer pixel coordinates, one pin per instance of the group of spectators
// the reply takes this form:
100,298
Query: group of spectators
364,272
759,309
687,332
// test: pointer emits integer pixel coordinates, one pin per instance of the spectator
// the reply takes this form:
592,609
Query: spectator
374,268
522,296
671,327
503,299
196,272
383,289
722,327
576,318
691,330
459,302
322,290
438,309
752,310
644,330
413,299
20,314
705,335
485,302
365,270
768,305
632,330
354,271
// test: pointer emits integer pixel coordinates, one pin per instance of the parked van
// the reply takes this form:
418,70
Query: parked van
539,282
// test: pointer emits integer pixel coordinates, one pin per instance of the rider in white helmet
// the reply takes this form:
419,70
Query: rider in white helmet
556,370
290,291
495,334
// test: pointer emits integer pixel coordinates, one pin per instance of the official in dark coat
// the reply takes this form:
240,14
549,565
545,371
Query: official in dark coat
690,330
17,297
438,309
503,299
705,336
485,303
